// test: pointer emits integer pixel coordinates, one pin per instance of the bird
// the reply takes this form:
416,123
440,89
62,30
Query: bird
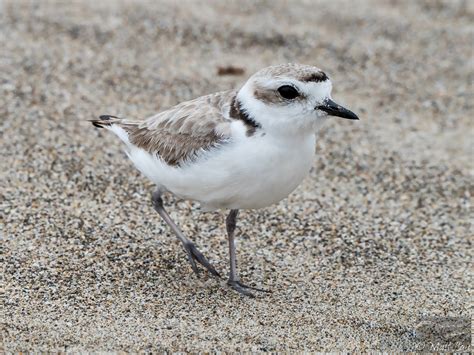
235,150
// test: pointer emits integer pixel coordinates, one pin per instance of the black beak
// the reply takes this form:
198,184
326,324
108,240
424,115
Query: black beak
334,109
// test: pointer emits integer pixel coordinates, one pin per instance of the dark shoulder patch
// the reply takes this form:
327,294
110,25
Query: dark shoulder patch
315,77
237,113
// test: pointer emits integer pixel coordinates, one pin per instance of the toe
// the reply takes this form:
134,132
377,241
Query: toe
192,262
200,258
195,255
235,285
253,288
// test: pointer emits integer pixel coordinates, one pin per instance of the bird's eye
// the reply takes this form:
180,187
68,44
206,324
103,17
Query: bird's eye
288,92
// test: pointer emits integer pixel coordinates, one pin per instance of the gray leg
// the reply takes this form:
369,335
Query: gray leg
234,280
231,223
193,253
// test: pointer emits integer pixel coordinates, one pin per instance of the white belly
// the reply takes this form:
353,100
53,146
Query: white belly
246,174
251,173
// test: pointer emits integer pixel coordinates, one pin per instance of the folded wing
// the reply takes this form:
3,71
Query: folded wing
179,134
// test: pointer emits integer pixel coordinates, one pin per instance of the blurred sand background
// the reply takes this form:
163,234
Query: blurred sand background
372,251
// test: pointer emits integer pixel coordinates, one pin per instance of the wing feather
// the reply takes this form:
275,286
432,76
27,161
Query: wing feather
181,132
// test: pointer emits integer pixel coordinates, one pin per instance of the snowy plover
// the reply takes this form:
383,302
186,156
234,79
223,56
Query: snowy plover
236,150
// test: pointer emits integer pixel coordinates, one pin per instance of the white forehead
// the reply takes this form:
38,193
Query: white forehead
318,90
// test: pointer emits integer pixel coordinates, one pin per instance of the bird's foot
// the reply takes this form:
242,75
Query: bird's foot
195,255
244,289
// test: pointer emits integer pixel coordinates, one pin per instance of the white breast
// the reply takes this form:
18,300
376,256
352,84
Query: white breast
251,172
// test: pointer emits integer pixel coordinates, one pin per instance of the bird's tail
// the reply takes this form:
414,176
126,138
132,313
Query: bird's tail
105,120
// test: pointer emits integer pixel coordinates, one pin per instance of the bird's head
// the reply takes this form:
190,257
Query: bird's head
290,97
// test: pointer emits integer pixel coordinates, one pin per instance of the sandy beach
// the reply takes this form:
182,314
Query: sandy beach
371,252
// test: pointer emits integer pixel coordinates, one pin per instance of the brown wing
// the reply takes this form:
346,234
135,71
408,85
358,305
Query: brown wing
180,133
